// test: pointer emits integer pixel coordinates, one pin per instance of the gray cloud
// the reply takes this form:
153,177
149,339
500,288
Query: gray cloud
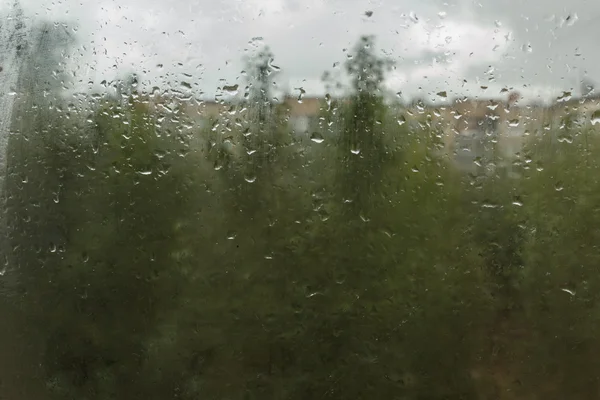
538,48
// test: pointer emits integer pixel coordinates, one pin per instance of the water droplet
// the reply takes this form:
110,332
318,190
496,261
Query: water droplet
369,13
387,233
513,123
539,166
442,94
401,120
250,178
145,172
489,205
571,19
273,66
569,291
565,137
413,17
323,214
231,89
558,186
595,117
565,96
231,235
317,137
355,151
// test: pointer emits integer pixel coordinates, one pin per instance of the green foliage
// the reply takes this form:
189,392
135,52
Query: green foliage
247,267
100,274
362,149
560,279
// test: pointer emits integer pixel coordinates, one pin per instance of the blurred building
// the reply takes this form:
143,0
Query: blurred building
303,113
478,134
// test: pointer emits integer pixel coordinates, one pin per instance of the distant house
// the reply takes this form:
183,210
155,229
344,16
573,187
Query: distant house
480,130
304,113
475,131
202,112
472,127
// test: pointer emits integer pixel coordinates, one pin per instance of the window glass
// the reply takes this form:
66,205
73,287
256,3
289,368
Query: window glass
284,199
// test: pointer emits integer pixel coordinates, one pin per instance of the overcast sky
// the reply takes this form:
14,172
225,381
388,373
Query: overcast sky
539,48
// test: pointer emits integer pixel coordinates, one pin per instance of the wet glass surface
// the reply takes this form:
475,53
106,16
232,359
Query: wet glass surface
275,199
